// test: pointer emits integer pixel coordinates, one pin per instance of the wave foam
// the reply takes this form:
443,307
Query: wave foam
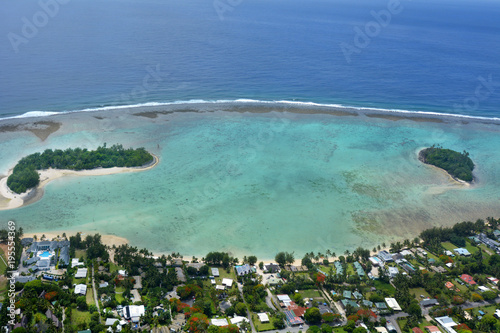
31,114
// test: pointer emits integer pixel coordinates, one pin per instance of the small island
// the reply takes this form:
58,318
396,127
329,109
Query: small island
458,165
25,176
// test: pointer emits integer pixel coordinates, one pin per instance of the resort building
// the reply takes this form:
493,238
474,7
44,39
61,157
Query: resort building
243,269
385,256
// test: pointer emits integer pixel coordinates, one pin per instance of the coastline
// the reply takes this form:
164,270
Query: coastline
451,178
11,200
108,240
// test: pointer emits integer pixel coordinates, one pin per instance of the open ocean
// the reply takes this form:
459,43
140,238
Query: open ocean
426,56
255,183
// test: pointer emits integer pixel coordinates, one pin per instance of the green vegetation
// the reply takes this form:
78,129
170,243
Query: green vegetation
458,165
25,173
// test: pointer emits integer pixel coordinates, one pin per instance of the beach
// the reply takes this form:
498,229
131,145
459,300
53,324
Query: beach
258,178
11,200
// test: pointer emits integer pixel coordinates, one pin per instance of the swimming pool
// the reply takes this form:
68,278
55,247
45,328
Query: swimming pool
44,254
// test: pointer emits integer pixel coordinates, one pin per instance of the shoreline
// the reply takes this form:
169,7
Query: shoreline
453,179
11,200
108,240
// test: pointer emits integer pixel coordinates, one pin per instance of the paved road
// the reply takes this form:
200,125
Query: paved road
249,317
393,319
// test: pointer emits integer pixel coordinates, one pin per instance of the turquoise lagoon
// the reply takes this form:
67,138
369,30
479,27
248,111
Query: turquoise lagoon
259,183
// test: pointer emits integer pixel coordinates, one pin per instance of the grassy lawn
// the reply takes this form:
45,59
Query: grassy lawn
402,322
80,253
418,292
260,326
79,281
471,248
490,309
486,251
339,330
2,263
114,267
310,293
325,270
90,296
78,317
449,246
350,270
384,286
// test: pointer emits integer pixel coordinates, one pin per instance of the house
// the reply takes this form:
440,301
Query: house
468,279
417,330
243,270
346,302
81,289
81,273
272,268
390,327
367,303
274,281
385,256
497,314
237,320
376,261
64,257
393,271
493,280
227,282
483,288
357,295
347,294
405,253
284,300
429,302
220,287
381,306
103,285
180,274
462,252
449,285
447,323
134,312
263,317
219,322
75,262
381,329
359,269
292,319
215,272
338,267
224,305
50,315
24,279
110,321
26,241
392,303
432,329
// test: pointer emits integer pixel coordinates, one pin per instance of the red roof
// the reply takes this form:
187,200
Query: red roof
467,278
417,330
449,285
297,310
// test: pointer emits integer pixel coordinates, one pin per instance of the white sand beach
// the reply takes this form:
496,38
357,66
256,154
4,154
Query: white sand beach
11,200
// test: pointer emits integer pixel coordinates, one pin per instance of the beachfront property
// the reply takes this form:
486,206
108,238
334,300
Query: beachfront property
271,268
359,269
46,254
244,269
338,267
376,261
215,272
385,256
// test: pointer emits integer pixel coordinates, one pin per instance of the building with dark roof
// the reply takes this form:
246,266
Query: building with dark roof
429,302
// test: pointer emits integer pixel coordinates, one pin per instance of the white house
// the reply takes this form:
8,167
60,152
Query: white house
133,312
81,289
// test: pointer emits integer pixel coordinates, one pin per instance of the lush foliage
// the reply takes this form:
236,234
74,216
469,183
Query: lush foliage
459,165
25,176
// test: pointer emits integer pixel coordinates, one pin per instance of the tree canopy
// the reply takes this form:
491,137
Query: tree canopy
458,165
25,175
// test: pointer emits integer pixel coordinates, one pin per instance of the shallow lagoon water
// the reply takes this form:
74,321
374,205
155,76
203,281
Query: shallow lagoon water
261,183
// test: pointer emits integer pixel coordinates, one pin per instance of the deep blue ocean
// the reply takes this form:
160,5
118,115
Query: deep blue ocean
419,55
